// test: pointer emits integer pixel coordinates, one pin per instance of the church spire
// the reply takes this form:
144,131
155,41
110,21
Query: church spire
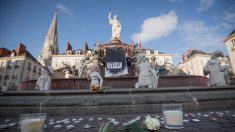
50,46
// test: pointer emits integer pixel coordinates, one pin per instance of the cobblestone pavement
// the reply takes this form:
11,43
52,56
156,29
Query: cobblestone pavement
195,121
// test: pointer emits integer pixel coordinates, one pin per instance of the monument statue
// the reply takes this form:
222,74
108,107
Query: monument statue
44,81
155,71
116,26
96,79
213,68
169,67
147,77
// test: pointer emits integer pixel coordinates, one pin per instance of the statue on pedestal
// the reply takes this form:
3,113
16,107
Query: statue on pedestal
116,26
147,76
44,81
213,68
96,79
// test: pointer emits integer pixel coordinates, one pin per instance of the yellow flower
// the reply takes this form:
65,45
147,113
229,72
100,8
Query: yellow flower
93,88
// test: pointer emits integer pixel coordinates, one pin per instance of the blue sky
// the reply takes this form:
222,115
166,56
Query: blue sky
170,26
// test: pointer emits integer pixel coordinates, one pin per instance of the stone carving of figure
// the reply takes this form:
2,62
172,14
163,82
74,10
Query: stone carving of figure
155,71
96,79
68,74
169,67
227,73
44,81
213,68
146,74
116,26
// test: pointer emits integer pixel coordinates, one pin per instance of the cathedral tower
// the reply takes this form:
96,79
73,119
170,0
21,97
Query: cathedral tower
50,46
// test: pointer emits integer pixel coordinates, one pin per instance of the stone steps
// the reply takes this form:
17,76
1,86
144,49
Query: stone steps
115,101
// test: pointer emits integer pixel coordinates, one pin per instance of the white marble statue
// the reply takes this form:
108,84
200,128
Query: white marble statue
68,74
116,26
169,67
147,76
155,71
96,79
44,81
213,68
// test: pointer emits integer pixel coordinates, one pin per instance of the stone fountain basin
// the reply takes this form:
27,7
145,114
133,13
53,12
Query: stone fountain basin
119,82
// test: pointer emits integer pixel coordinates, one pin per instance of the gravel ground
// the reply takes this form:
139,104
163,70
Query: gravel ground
194,121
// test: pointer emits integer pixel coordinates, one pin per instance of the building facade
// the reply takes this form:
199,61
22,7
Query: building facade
17,66
194,61
161,58
230,45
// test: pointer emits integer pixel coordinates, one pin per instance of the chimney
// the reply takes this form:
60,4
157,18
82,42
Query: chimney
20,49
68,47
4,52
189,52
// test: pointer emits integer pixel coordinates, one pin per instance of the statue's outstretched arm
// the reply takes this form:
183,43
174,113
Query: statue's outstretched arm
109,15
101,80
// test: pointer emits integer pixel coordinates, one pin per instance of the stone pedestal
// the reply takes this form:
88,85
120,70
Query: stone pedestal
116,41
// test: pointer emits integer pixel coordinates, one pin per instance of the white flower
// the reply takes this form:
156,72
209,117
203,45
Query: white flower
151,123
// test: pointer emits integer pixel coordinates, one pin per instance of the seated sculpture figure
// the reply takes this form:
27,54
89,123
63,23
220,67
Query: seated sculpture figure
213,68
147,76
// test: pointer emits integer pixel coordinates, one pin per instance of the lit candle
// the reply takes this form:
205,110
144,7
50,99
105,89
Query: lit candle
173,118
32,125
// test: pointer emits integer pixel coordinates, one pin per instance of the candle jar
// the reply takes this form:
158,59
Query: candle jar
32,122
173,116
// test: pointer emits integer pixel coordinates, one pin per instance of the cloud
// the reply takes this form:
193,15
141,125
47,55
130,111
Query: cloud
156,27
205,4
230,17
64,9
196,35
226,25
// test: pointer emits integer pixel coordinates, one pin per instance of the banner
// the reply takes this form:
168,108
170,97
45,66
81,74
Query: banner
115,62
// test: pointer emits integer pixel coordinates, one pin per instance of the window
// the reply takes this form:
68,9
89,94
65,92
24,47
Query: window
14,76
34,69
29,66
233,42
6,77
78,52
17,64
69,52
9,65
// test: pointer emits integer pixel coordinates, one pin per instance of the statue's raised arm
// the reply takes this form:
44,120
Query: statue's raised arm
109,17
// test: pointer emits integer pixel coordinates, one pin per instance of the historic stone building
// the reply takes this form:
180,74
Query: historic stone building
161,58
17,66
193,62
230,44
